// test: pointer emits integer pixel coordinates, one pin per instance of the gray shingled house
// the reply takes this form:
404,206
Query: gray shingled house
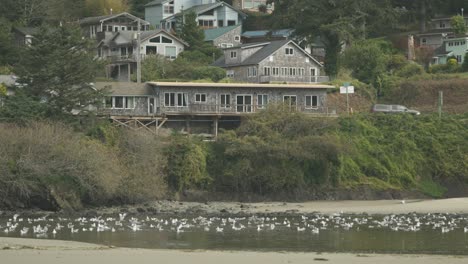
279,61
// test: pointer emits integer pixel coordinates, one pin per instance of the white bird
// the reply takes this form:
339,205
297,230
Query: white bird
219,229
15,217
300,229
122,216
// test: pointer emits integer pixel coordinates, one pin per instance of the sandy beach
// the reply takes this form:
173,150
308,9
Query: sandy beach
42,251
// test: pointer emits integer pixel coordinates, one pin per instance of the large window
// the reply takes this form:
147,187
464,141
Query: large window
205,23
151,50
120,102
175,99
225,100
311,102
262,101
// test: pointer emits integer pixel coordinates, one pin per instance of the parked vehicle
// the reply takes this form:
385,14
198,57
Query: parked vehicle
393,109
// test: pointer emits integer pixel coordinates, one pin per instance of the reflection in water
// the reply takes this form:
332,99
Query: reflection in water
410,233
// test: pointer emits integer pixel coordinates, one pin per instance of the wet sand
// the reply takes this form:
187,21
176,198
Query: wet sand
40,251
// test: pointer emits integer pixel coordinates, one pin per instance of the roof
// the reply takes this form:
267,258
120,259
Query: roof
445,18
27,30
199,9
257,57
263,33
129,35
8,80
157,2
99,19
214,33
437,31
125,88
240,85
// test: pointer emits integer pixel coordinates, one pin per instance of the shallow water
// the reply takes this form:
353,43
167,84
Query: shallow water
411,233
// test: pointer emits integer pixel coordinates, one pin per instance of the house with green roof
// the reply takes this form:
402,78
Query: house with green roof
224,37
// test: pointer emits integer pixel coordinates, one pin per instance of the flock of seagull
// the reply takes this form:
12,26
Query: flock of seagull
44,227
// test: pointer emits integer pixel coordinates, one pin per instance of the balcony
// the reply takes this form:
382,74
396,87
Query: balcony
294,79
122,58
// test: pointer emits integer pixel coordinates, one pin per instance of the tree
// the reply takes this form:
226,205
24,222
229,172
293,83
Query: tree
8,53
336,22
187,29
59,68
103,7
424,55
465,63
458,25
137,7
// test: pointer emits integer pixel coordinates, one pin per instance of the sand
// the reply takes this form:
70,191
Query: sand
40,251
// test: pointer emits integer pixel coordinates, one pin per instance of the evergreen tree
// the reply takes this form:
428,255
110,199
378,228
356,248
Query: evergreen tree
458,25
188,30
59,69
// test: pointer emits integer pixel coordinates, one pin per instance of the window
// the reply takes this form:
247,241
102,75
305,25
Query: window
230,73
171,53
205,23
156,40
424,41
220,23
290,100
311,102
275,71
266,71
284,71
200,98
233,54
459,58
442,24
151,50
262,101
292,71
301,71
175,99
251,72
123,28
225,100
289,51
120,102
231,23
169,8
237,38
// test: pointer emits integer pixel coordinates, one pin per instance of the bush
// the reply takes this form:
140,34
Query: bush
214,73
410,70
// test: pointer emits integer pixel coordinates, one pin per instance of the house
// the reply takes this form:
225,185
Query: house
270,62
23,36
453,47
210,13
207,104
224,37
439,29
101,27
119,48
253,5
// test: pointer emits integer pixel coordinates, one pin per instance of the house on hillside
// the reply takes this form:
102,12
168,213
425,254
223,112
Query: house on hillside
205,105
210,13
101,27
271,62
23,36
253,5
453,47
121,49
224,37
439,30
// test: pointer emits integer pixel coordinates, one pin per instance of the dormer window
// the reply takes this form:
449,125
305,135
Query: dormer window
233,54
289,51
441,24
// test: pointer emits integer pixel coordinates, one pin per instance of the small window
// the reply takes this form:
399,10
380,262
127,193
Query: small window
289,51
233,54
156,40
266,71
129,102
275,71
200,98
166,40
262,101
311,102
237,38
424,40
230,73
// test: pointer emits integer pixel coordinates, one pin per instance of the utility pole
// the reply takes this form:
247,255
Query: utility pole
441,102
138,55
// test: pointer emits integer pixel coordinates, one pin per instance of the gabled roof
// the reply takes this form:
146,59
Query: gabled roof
214,33
157,2
268,49
200,9
27,30
99,19
128,36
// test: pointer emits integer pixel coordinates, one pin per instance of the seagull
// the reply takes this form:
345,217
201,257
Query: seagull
122,216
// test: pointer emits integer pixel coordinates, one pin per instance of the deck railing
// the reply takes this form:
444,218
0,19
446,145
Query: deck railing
294,79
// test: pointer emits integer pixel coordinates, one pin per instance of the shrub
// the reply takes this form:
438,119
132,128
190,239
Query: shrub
410,70
214,73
